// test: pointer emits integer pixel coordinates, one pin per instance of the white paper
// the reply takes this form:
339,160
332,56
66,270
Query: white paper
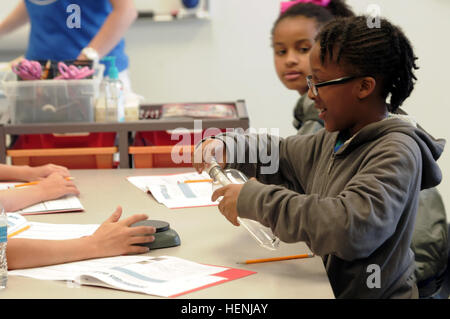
68,203
70,271
57,231
161,276
15,222
171,190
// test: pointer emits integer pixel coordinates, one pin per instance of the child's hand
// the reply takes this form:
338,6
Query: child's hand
115,237
210,149
41,172
228,204
56,186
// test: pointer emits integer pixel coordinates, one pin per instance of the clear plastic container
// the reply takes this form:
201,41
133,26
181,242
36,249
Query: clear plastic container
262,234
3,243
4,111
50,101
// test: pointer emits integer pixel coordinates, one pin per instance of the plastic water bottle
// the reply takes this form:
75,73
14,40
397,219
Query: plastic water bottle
262,234
3,242
113,91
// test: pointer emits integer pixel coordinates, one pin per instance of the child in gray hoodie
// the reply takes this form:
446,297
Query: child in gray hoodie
293,36
350,192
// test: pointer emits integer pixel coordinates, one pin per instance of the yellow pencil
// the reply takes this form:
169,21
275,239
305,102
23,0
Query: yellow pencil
198,181
263,260
18,231
37,182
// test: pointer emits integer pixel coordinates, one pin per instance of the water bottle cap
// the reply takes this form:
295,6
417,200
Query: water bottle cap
113,72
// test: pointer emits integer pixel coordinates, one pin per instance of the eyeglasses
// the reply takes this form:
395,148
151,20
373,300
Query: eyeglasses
314,87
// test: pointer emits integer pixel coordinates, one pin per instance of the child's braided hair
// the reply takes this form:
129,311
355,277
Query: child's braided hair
381,51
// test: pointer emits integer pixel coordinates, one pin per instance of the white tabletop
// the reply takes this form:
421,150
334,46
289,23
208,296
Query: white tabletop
206,237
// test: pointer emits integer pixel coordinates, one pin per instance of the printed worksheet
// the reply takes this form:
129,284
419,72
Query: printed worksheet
164,276
177,190
16,224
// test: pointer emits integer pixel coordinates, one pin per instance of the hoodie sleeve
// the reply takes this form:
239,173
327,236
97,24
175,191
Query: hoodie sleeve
271,159
352,224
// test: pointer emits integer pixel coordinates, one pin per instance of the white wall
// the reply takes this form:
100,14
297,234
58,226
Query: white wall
230,58
226,58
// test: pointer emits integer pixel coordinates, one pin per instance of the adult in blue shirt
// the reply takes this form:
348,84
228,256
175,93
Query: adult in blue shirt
74,29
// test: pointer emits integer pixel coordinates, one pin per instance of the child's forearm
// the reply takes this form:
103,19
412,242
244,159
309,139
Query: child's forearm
27,253
18,198
14,173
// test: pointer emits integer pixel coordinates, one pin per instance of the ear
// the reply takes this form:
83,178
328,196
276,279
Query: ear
366,87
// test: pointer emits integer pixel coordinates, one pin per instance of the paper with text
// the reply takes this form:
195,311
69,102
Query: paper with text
16,223
171,191
163,276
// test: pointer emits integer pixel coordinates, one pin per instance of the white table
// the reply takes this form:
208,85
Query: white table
206,237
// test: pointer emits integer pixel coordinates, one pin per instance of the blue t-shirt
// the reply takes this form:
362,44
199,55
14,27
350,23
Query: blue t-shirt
53,35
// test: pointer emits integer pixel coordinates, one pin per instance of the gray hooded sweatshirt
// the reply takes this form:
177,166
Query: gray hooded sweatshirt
355,207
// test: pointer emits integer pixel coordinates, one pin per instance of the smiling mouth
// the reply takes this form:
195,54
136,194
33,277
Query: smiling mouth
292,75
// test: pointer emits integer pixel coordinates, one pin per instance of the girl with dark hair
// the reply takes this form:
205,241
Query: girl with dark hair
351,191
293,35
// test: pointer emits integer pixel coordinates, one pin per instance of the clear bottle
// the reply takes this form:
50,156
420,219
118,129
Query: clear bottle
262,234
113,91
100,105
3,242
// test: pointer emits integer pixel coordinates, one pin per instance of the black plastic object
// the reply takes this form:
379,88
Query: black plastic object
165,237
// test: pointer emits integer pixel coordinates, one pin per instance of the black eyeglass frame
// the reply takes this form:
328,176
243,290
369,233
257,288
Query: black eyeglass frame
314,86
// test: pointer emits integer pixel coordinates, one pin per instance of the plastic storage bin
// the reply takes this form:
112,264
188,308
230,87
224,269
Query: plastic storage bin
160,156
4,111
75,151
49,101
32,141
154,149
72,158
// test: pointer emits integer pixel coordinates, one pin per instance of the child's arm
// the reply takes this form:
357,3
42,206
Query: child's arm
27,173
17,18
350,224
268,158
52,187
14,173
112,238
